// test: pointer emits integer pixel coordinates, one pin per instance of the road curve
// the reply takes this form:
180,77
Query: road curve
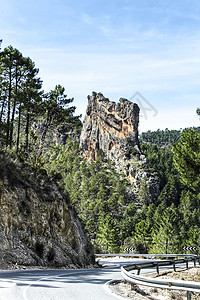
83,284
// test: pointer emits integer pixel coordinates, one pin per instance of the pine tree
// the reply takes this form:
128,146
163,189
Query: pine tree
144,194
187,157
166,235
20,91
57,114
108,236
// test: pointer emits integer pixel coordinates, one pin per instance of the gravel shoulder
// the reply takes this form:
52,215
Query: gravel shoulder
139,292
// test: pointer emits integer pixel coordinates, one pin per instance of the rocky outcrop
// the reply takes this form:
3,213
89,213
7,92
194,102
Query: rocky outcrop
111,129
109,126
37,225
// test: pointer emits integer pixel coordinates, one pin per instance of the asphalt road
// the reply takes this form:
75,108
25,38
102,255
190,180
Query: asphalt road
84,284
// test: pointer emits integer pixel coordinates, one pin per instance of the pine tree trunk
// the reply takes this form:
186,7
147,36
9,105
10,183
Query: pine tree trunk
13,112
12,124
18,129
2,109
44,133
27,128
9,103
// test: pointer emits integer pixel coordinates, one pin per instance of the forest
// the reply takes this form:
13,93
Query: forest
33,127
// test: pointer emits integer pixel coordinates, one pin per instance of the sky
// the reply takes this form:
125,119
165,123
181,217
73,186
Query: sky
147,51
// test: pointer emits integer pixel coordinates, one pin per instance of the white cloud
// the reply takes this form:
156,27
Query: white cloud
97,50
172,86
165,80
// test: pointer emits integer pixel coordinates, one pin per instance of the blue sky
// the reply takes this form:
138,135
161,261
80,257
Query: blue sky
117,48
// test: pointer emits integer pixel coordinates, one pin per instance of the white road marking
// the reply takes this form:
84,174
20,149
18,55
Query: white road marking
36,282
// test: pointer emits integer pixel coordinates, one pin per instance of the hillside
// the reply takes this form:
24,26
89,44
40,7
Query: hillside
162,137
111,129
128,191
118,210
37,225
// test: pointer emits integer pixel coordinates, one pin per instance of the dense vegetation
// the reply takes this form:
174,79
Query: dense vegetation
160,137
110,211
163,138
102,197
176,219
32,127
27,114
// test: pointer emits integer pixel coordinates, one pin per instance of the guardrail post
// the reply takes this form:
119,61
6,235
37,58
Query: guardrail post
191,287
174,266
186,264
157,269
188,295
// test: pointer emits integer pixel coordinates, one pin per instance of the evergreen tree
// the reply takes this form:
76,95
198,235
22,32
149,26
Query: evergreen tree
141,237
166,235
144,194
187,157
171,192
20,87
57,113
108,237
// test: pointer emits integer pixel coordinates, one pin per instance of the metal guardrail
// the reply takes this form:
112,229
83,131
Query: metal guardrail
189,286
146,255
138,266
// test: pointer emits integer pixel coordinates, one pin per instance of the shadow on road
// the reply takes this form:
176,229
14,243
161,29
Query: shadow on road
59,278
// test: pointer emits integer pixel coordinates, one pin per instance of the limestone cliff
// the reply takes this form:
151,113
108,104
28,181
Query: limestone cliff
112,128
37,225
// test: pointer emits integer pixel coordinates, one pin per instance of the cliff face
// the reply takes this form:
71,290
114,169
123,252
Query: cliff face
113,128
110,127
37,225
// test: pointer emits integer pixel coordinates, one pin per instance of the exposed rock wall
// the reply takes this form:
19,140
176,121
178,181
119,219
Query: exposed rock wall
110,127
113,128
37,225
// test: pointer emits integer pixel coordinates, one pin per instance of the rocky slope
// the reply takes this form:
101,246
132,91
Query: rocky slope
37,225
112,129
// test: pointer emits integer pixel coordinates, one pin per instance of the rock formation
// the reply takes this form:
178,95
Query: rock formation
37,225
112,129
